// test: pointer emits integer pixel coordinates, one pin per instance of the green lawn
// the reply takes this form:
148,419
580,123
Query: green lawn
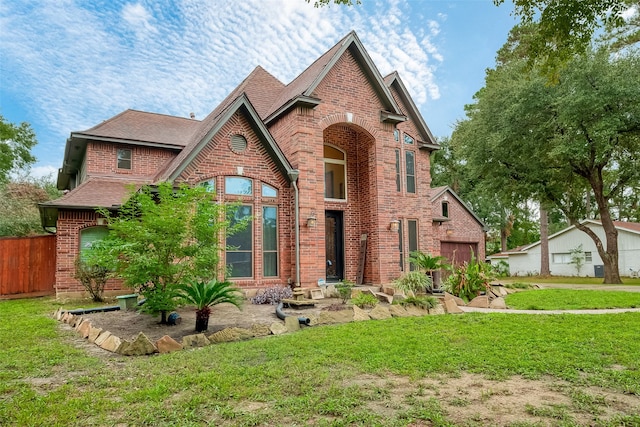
571,299
325,376
568,279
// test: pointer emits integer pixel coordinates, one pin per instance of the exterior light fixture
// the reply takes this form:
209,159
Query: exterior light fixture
394,226
312,220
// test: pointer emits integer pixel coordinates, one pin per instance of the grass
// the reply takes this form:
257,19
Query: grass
569,279
312,377
571,299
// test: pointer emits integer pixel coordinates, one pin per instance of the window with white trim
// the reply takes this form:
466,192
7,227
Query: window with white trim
410,171
561,258
239,255
124,158
269,241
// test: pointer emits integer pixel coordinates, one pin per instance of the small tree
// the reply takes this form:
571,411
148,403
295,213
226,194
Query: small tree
92,277
163,237
577,258
429,264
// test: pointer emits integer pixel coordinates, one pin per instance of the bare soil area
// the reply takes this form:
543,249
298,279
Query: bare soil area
127,324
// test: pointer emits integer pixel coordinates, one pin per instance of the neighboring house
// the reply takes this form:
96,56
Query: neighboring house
457,230
330,166
525,260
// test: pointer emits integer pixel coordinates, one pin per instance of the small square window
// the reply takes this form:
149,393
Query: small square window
588,257
124,158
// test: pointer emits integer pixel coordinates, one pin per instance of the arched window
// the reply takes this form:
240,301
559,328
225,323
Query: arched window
335,173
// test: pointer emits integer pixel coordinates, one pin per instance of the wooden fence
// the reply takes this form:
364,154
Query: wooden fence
27,265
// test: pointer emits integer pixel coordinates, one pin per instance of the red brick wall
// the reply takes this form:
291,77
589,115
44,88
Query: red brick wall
69,226
101,159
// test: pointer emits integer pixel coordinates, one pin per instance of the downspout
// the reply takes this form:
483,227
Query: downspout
293,176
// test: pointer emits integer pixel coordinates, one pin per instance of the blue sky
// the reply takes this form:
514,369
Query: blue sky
68,65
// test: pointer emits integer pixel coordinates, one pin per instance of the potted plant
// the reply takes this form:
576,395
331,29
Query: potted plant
205,295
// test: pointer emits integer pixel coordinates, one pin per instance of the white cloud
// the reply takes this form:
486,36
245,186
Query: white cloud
75,65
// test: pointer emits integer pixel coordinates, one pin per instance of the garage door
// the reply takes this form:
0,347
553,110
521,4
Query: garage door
458,252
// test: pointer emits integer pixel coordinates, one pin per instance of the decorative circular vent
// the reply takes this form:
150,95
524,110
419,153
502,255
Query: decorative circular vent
238,143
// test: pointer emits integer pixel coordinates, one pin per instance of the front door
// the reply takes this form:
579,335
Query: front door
334,240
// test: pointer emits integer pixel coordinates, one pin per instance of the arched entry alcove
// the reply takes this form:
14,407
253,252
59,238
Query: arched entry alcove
350,201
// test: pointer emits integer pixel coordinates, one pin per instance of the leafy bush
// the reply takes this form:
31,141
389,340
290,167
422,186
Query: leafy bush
501,268
92,277
344,290
413,282
469,279
364,300
518,285
424,302
272,295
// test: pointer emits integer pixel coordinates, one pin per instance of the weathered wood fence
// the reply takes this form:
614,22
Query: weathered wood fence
27,265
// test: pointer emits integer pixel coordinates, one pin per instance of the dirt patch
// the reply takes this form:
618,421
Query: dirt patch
127,324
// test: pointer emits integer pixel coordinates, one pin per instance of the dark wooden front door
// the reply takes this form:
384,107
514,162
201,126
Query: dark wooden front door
334,241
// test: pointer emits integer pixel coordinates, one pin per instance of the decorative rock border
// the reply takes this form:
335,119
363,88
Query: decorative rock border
142,345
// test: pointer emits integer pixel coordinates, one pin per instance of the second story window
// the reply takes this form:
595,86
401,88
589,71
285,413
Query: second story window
410,171
238,185
335,173
124,158
445,209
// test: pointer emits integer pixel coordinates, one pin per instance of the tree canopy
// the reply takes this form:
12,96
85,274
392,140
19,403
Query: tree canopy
567,27
16,142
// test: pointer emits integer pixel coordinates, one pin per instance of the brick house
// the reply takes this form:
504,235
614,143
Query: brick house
334,167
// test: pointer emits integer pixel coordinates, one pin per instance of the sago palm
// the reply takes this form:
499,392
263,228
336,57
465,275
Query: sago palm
205,295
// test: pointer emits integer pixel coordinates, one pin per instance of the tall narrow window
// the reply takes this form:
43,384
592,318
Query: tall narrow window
410,171
401,244
239,256
269,241
398,179
335,176
445,209
412,226
124,158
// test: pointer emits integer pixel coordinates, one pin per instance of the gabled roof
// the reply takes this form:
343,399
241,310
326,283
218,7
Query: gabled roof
96,192
436,192
394,80
301,89
189,153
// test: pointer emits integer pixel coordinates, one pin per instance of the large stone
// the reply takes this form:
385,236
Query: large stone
112,343
84,328
67,318
166,344
498,303
451,307
330,317
415,311
291,323
140,346
438,309
102,338
76,321
359,314
195,340
397,310
94,333
260,330
379,313
397,297
231,334
278,328
459,301
382,297
481,301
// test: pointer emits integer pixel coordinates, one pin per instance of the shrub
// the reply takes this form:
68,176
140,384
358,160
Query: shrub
424,302
272,295
364,300
344,290
413,282
205,295
92,277
501,268
469,279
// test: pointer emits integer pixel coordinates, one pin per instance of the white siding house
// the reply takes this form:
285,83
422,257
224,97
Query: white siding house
525,260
